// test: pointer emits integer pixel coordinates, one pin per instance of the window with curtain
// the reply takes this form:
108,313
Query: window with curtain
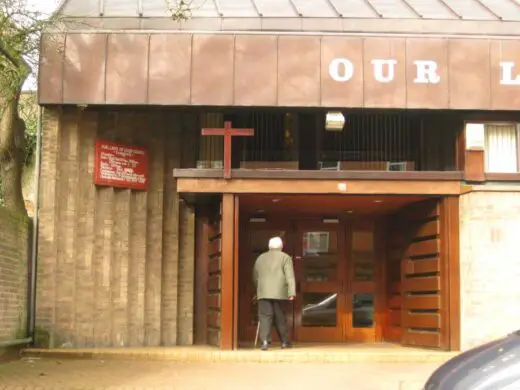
501,148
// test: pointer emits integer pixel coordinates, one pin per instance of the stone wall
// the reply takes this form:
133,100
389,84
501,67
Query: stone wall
14,257
111,272
490,265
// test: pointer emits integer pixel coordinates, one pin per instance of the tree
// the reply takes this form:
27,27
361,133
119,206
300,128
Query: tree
180,9
20,31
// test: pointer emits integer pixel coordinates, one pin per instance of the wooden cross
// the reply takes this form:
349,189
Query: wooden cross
228,132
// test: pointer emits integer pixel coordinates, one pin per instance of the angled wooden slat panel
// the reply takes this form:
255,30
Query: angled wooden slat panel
214,265
423,320
422,339
427,229
422,302
427,328
421,211
411,267
213,336
214,301
424,248
431,283
214,284
214,318
214,246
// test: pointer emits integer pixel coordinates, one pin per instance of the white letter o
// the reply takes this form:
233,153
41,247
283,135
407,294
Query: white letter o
347,71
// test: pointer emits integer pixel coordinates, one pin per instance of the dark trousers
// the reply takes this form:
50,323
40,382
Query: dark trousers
269,311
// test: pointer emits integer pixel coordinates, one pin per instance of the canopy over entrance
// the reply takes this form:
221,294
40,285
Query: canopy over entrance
368,269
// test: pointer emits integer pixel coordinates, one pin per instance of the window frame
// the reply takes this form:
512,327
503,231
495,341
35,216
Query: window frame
502,123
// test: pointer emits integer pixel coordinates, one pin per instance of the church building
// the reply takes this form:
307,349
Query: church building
378,139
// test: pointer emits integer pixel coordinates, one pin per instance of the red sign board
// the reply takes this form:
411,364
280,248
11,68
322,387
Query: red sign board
121,166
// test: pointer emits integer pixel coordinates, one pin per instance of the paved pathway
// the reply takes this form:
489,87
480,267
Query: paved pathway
96,374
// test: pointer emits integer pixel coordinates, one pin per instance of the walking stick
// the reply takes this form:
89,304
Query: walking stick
257,326
257,333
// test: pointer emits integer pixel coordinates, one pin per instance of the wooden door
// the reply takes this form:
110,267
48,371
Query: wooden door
254,242
337,279
361,288
320,275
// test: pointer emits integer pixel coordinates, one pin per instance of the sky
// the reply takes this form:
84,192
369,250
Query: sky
47,7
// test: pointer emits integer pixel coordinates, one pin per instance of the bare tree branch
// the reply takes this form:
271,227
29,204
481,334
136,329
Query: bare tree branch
20,32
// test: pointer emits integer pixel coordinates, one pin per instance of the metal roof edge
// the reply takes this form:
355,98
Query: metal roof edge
293,33
311,26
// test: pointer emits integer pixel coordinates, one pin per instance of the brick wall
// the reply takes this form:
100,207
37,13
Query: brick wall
490,265
111,269
14,245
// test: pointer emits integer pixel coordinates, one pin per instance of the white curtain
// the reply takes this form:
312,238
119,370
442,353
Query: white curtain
501,148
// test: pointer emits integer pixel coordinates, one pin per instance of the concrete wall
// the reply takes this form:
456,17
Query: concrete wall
490,264
14,256
111,272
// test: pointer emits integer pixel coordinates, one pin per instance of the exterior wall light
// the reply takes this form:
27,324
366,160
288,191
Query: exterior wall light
334,121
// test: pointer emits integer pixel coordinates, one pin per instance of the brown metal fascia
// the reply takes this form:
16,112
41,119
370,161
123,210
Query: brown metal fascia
451,9
489,10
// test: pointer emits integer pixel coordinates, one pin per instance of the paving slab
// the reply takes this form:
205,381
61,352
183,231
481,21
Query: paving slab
47,374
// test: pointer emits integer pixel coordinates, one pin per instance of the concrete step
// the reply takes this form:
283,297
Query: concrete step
297,354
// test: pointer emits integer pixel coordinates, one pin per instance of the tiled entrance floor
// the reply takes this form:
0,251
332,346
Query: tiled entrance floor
302,353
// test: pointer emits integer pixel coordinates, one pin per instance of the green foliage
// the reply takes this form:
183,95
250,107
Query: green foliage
28,110
20,31
180,10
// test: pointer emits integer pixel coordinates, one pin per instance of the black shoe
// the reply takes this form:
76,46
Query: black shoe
265,346
286,345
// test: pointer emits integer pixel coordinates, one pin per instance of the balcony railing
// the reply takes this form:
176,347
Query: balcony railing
385,141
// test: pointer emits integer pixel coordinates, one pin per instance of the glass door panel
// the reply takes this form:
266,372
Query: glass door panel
319,265
360,326
320,310
258,236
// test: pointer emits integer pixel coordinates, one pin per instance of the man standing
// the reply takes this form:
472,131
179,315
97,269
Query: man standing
273,275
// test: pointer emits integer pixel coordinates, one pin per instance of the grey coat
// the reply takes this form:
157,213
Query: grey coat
273,275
